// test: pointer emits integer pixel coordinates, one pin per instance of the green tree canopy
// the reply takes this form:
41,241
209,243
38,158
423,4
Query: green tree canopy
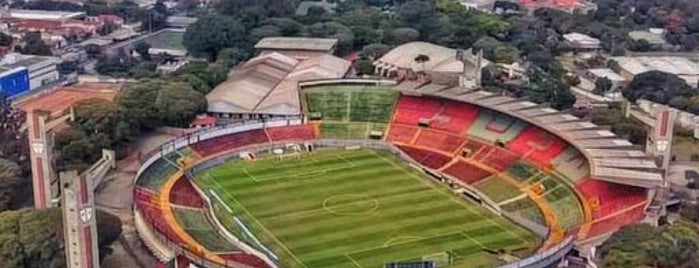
10,179
658,87
211,34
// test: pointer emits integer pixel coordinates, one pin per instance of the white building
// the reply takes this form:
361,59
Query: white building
42,69
683,67
581,41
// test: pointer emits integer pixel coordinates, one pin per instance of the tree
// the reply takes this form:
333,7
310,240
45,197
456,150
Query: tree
602,85
422,59
142,49
364,66
107,28
34,238
422,16
6,40
98,116
10,179
231,56
115,66
211,34
34,45
179,104
658,87
497,51
404,35
375,51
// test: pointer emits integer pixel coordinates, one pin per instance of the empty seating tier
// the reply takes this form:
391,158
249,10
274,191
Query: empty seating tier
244,258
227,142
439,141
411,109
426,158
466,172
197,225
606,198
184,194
291,133
538,145
401,133
455,117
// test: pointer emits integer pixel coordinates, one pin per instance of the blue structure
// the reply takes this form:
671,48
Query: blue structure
14,82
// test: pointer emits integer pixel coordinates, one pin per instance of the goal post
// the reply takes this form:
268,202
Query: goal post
441,259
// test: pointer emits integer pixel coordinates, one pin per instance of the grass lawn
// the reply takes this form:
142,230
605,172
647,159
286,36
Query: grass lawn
356,103
356,208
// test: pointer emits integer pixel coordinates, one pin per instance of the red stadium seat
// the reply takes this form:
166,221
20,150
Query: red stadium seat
184,194
426,158
227,142
401,133
410,110
466,172
497,158
541,146
456,117
607,198
291,133
439,141
244,258
606,225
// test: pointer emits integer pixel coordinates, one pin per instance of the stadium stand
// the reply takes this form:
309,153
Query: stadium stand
496,158
410,110
401,133
246,259
455,117
220,144
493,126
291,133
331,104
333,130
566,206
358,103
606,198
373,105
154,216
572,164
497,189
439,141
184,194
538,145
612,223
466,172
196,224
525,208
429,159
156,174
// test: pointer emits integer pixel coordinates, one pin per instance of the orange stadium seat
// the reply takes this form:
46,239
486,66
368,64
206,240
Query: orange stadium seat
439,141
401,133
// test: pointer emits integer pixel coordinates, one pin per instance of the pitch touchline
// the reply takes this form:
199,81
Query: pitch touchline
259,223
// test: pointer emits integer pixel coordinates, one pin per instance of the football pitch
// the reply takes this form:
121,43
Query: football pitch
356,208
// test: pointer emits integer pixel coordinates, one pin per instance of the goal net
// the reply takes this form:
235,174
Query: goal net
441,259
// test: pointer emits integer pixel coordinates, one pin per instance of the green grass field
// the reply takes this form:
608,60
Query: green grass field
355,103
355,208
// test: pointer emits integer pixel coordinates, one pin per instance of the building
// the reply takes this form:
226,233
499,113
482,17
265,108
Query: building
655,37
27,14
570,6
440,65
41,69
482,5
179,21
267,86
13,82
582,42
684,68
618,81
299,48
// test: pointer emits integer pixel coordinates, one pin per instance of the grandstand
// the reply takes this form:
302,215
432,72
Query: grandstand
533,163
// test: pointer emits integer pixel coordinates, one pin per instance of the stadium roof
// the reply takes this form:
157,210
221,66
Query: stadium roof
441,59
611,158
268,84
297,43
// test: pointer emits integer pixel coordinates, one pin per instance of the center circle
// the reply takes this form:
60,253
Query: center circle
350,204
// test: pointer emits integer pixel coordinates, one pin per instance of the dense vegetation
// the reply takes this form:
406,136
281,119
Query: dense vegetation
642,245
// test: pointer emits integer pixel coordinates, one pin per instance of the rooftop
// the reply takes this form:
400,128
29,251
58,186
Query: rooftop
441,59
581,39
57,101
14,60
652,38
297,43
44,15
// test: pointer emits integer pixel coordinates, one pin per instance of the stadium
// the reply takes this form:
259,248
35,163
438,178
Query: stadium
374,175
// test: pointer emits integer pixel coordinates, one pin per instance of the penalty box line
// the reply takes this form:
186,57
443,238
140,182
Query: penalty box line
349,163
